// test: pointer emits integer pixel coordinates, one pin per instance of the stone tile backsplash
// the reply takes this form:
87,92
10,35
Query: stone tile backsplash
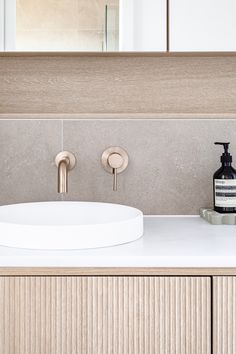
28,148
170,170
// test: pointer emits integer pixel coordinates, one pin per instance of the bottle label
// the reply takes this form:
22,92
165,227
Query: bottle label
225,193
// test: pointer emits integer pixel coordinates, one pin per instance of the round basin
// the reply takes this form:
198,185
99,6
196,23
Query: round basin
68,225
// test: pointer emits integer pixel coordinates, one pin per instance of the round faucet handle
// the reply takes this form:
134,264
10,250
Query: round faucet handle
115,160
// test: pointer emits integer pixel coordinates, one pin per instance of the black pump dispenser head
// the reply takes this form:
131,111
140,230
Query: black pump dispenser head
225,157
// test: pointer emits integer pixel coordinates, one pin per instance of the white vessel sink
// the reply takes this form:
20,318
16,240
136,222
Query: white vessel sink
68,225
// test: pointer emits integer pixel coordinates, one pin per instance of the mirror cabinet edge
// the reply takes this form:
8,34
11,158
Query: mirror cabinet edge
118,54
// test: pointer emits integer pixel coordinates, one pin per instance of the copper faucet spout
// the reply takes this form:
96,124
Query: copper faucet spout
65,162
62,182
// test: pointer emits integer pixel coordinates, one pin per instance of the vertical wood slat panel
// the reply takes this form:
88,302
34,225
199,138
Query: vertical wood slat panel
224,315
105,315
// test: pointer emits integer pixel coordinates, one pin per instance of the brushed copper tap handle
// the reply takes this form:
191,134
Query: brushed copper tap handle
115,160
114,179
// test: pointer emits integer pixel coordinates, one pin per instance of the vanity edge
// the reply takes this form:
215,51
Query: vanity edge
115,271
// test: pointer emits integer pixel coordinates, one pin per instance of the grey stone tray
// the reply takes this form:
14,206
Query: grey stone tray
216,218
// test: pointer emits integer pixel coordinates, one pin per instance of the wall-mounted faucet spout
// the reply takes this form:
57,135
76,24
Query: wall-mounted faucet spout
62,180
65,162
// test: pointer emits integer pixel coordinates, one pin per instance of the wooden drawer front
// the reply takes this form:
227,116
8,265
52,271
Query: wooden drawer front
224,315
105,315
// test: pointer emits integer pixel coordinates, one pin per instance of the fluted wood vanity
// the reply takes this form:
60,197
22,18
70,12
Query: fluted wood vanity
175,293
117,311
105,314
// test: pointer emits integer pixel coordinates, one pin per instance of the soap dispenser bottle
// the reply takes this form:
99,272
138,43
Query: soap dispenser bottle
224,184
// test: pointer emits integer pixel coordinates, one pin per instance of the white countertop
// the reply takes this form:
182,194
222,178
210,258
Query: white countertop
167,242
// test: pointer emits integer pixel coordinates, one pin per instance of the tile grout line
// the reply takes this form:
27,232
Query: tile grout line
62,134
62,147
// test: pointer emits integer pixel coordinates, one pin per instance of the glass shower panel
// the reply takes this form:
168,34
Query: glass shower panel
112,28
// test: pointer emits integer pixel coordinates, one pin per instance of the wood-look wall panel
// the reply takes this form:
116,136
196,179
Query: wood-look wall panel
105,315
224,315
161,85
